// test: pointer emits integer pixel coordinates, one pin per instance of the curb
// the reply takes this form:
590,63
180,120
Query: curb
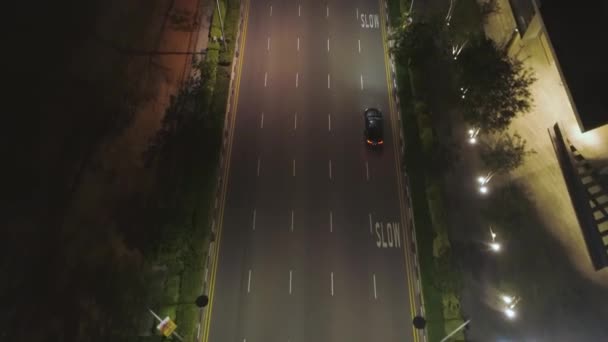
220,170
411,223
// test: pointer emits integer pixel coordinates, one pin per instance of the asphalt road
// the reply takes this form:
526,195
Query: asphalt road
312,244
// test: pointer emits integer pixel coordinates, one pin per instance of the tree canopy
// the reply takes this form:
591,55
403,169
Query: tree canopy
504,154
497,87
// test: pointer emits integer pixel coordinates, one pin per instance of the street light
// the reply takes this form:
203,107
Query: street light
219,12
473,133
483,181
495,246
510,303
464,92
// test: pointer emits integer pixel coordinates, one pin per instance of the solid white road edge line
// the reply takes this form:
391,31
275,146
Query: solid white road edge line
332,283
290,277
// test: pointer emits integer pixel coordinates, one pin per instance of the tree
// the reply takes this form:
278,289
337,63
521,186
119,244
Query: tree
504,154
497,88
418,41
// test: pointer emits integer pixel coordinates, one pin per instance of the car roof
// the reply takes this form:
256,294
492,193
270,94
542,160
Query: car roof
373,112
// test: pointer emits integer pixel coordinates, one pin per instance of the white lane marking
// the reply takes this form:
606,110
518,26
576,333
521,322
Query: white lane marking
299,8
290,277
291,221
375,294
359,45
268,44
249,282
297,78
262,121
332,283
258,169
331,222
265,78
298,43
327,10
295,121
327,44
361,81
328,81
330,169
357,13
294,168
271,10
329,122
253,225
366,170
370,223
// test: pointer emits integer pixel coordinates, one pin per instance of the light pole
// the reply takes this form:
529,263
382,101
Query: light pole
473,133
448,17
483,181
456,330
495,246
219,12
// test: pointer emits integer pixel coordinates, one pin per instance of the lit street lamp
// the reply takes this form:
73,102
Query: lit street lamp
473,133
483,181
464,92
510,303
495,246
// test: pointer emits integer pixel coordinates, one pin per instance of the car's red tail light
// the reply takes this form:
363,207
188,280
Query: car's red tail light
380,142
369,141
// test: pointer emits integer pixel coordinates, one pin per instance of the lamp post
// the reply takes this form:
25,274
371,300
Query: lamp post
495,246
483,181
219,12
473,133
460,327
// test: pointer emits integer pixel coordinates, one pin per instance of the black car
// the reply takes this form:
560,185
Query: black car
374,128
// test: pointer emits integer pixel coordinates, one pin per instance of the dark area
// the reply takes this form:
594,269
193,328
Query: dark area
578,36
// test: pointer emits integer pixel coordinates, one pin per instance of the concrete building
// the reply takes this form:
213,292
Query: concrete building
564,43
